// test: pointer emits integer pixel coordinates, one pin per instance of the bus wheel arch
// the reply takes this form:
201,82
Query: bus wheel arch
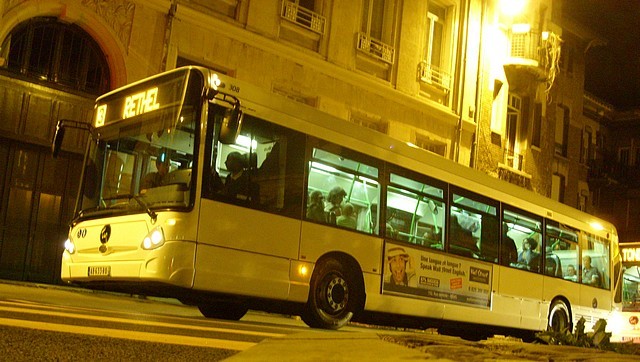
336,292
227,310
559,315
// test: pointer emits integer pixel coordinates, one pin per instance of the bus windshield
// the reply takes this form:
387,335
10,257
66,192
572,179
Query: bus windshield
145,161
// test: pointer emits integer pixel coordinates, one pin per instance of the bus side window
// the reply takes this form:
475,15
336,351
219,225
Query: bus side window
272,166
347,186
414,210
561,257
521,240
475,229
595,261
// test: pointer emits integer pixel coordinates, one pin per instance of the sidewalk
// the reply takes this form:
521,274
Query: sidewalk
328,346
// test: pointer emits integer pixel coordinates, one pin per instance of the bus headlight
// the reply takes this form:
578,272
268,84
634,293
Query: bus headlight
69,246
154,239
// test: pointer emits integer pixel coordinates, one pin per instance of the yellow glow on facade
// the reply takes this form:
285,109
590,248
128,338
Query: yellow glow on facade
520,28
140,103
512,7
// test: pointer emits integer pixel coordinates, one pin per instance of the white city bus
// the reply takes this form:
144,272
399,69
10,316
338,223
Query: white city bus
203,188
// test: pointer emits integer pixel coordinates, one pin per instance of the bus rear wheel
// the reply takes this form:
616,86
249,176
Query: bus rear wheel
332,297
559,319
223,310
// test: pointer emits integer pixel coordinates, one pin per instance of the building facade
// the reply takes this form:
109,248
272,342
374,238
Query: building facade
462,78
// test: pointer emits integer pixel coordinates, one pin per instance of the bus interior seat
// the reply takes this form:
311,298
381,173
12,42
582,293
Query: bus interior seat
553,266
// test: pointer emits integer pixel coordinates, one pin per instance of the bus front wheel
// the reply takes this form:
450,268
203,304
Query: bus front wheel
332,296
559,319
223,310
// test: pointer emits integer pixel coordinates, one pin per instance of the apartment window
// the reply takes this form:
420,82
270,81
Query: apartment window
536,136
228,8
377,29
586,146
434,146
54,52
375,124
434,67
514,117
434,47
563,117
557,187
305,13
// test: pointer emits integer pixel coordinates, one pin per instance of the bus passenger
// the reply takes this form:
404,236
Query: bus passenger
347,219
590,274
508,250
529,257
237,184
334,207
315,210
155,179
572,274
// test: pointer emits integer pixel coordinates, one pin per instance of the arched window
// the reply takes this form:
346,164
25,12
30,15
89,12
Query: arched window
50,51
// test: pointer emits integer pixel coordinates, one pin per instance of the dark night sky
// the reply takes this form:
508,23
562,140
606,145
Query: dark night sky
612,71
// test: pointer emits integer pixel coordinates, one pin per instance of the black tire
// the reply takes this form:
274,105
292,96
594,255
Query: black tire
223,310
559,317
333,297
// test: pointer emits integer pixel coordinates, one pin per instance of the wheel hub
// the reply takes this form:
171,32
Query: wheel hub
337,294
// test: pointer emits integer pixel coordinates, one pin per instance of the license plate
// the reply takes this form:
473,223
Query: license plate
99,271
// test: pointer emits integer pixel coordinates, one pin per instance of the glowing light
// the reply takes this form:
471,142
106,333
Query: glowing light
154,239
69,246
171,222
512,7
596,225
214,81
245,142
140,103
303,270
521,28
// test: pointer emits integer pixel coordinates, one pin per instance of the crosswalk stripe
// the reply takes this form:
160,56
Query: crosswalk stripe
142,322
131,335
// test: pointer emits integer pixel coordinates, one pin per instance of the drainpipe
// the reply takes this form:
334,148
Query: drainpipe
479,79
462,82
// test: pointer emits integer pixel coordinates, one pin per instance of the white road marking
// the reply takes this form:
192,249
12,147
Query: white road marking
139,322
133,335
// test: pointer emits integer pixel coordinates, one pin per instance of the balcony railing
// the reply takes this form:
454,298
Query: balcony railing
513,160
376,48
302,16
528,46
434,75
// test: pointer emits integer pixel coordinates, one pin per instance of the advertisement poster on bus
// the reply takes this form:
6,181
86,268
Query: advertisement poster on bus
444,277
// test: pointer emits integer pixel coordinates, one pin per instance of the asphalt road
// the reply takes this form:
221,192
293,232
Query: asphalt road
50,323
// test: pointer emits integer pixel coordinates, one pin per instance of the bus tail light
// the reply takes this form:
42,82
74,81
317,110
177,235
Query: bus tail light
154,239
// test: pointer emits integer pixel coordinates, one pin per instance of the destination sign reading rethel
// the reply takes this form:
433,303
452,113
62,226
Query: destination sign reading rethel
158,97
140,103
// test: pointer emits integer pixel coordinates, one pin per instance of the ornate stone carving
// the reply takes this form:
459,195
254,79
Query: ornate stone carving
117,13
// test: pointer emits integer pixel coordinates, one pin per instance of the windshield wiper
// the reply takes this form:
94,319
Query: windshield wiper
140,202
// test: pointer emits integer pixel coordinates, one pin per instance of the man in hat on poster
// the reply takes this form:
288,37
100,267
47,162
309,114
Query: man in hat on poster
400,267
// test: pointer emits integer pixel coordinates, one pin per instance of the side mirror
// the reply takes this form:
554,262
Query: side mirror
59,135
231,125
57,139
